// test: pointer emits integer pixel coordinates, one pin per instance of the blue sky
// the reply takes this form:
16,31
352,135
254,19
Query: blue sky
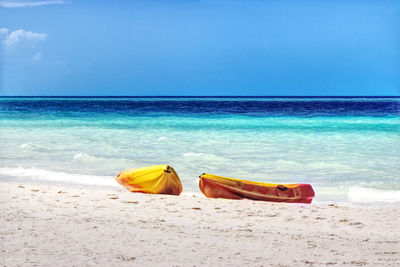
218,47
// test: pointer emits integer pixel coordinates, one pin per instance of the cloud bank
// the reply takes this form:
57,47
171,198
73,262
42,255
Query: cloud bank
16,4
14,37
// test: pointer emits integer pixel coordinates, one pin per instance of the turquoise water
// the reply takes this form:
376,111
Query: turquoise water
348,149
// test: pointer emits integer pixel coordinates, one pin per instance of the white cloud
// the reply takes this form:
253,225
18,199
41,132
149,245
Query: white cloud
13,4
3,31
17,36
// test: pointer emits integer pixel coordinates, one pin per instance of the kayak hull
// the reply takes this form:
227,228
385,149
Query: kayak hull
160,179
213,186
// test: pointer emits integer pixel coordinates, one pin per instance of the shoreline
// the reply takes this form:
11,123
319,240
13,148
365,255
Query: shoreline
111,184
72,225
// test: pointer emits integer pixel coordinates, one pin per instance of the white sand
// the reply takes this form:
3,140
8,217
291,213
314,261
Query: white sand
49,225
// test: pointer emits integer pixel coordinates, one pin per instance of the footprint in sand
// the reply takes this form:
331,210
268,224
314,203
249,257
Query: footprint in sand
271,214
130,202
356,224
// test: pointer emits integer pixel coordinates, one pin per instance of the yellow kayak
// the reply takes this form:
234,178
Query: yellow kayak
160,179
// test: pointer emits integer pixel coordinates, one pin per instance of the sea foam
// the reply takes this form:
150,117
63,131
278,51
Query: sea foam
41,175
368,195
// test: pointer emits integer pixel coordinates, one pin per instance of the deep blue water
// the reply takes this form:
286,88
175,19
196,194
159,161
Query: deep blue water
302,107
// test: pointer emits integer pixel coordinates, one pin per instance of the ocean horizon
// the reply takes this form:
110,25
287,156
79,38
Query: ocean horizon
199,96
346,147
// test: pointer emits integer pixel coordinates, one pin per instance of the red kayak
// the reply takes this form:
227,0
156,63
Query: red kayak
213,186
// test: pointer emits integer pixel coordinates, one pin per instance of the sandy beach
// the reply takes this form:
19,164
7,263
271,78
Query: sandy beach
48,224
